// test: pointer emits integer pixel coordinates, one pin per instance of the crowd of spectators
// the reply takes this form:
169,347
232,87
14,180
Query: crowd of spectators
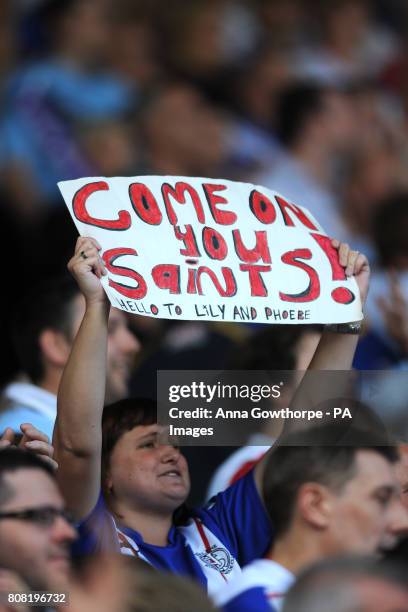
305,97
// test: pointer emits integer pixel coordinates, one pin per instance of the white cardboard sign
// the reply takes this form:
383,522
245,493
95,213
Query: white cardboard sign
205,249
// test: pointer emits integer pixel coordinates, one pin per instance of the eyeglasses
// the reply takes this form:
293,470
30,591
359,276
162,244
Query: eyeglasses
43,516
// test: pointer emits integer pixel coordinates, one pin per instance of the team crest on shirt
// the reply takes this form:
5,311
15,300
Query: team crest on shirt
217,558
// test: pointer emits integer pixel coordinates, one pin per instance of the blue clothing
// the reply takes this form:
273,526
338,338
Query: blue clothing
23,402
235,520
42,101
374,353
17,415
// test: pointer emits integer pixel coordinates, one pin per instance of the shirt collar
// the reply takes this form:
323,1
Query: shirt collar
282,578
32,396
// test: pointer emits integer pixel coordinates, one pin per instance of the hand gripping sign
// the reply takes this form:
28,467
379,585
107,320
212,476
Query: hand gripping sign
196,248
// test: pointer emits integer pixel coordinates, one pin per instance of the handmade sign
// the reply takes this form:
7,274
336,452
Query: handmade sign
196,248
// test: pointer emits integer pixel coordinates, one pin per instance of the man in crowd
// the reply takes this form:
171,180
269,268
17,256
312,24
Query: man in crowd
316,125
35,535
402,473
43,331
144,481
346,584
323,501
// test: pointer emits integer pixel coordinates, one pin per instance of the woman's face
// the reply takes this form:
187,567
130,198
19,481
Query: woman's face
146,473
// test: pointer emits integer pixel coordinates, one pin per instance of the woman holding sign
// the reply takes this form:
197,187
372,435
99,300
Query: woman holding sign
145,480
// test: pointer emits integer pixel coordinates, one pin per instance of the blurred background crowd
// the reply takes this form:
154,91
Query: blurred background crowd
306,97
